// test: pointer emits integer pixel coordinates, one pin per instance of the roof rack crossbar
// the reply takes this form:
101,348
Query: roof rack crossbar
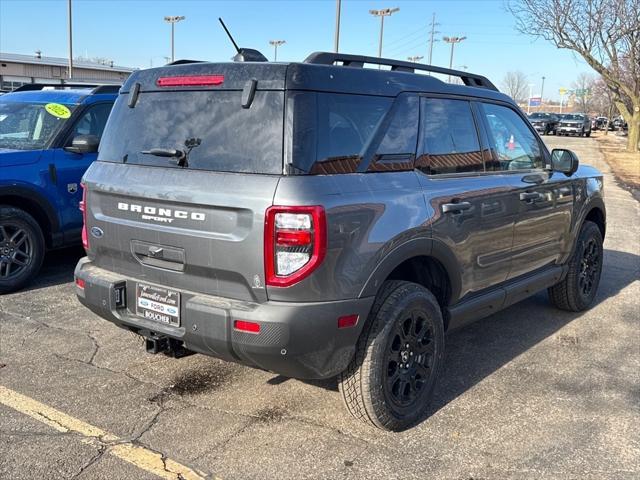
29,87
329,58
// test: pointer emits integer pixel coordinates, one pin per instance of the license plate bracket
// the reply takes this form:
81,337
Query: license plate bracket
159,304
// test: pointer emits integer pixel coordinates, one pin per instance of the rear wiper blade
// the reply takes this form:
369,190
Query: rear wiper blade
180,155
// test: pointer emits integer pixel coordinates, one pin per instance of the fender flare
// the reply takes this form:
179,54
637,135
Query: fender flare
33,196
416,247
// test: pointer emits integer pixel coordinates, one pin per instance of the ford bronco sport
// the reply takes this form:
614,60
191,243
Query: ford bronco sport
48,137
323,219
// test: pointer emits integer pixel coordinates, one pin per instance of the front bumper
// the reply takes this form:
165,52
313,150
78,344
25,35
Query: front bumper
570,130
542,128
299,340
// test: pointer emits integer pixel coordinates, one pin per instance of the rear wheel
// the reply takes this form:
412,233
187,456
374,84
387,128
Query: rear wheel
588,134
21,248
390,381
578,289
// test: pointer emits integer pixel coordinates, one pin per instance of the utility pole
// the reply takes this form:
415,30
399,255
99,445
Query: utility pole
70,42
542,91
452,41
415,58
173,20
385,12
276,44
431,39
336,38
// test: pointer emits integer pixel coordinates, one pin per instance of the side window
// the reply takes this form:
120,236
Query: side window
92,121
514,145
449,138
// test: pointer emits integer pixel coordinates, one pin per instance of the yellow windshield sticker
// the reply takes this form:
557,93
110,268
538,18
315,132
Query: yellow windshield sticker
57,110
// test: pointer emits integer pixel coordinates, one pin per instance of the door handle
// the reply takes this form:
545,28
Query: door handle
530,196
456,207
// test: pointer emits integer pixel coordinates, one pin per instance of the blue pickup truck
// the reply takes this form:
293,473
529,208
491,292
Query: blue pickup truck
48,138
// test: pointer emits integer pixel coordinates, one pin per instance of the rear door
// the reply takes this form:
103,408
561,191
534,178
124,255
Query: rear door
544,199
194,225
69,167
469,206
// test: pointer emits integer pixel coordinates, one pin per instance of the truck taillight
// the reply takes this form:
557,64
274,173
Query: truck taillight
295,243
83,208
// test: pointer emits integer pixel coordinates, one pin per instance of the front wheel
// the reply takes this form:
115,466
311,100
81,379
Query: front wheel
21,248
390,381
578,289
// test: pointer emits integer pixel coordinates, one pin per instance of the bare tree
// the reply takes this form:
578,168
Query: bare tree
583,88
515,85
606,33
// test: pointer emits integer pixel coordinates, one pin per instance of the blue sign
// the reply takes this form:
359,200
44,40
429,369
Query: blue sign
535,101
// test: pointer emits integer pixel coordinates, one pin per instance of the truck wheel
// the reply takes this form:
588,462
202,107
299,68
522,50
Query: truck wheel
578,289
390,381
21,248
588,134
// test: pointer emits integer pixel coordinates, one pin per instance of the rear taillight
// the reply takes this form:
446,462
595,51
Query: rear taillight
83,208
295,243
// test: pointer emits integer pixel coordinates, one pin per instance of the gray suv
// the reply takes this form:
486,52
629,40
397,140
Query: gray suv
322,219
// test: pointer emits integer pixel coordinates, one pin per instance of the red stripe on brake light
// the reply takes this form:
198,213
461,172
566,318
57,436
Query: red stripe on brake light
190,81
293,238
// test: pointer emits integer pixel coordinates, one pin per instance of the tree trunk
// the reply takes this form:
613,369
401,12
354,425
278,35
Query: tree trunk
634,132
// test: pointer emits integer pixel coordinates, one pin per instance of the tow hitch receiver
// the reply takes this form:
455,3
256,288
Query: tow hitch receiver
169,346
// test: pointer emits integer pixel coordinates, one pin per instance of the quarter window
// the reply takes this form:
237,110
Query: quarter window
92,121
449,138
513,144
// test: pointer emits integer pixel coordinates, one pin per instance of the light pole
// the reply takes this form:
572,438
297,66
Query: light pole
542,91
336,38
173,20
415,58
276,44
452,41
70,42
385,12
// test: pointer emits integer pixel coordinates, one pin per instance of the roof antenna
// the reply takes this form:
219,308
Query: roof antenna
244,54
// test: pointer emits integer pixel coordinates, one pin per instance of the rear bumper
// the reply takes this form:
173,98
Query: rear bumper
299,340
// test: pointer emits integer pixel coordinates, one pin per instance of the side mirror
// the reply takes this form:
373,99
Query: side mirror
84,144
564,161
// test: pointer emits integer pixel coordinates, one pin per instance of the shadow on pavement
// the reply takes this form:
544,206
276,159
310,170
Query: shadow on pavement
57,268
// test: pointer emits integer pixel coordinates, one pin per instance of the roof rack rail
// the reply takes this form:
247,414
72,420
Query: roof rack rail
106,89
330,58
29,87
184,61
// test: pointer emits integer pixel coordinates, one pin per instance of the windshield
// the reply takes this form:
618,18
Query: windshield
30,126
211,130
539,115
573,117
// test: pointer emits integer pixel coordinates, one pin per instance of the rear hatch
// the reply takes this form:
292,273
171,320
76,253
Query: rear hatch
188,164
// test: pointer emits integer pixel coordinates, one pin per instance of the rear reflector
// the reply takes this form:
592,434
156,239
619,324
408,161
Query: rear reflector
244,326
190,81
348,321
80,283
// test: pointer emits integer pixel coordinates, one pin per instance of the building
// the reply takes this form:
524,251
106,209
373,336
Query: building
16,70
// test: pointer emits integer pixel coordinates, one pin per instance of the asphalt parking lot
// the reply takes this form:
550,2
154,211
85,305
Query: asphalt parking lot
528,393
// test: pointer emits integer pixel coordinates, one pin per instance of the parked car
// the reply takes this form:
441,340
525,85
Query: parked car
618,123
544,123
323,219
600,123
48,138
574,124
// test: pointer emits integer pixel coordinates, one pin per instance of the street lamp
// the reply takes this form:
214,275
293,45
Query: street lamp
385,12
415,58
452,41
336,37
276,44
542,90
70,41
173,20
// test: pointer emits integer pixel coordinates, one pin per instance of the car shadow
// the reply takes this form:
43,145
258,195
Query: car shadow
57,268
479,349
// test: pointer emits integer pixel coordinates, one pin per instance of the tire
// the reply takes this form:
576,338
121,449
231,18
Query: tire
402,312
21,248
578,289
588,134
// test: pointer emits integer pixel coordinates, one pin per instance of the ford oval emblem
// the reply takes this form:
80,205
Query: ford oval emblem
97,232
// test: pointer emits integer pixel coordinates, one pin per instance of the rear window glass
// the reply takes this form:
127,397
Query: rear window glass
330,131
227,137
